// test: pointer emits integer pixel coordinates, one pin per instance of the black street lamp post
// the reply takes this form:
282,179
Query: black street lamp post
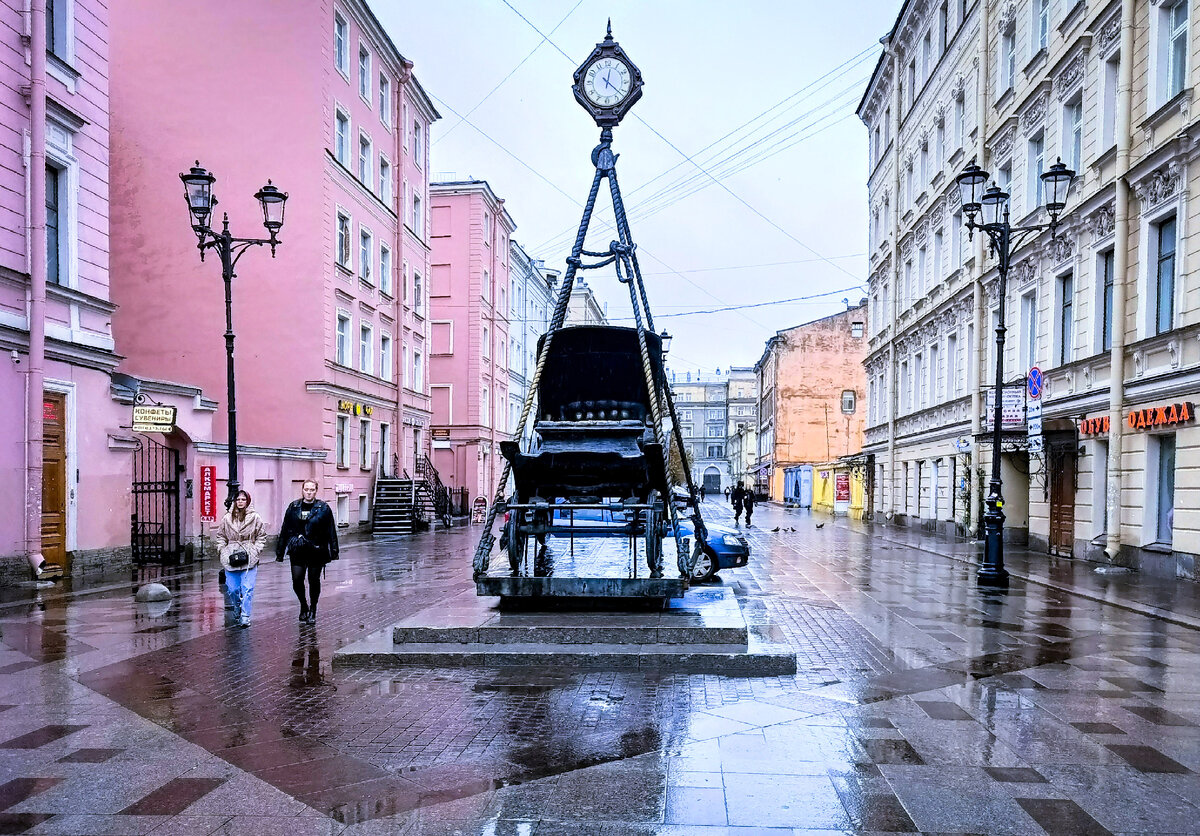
992,205
200,200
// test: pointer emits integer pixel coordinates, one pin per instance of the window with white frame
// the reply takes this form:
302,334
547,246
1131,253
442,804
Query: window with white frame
485,417
385,447
1041,26
1008,60
1072,133
1037,166
952,366
342,344
1104,269
960,122
972,371
1066,318
57,252
385,180
405,371
910,186
343,239
385,100
364,159
341,137
385,269
926,54
385,356
486,347
341,44
418,372
936,373
939,147
912,84
486,289
922,267
1028,345
937,257
956,240
418,215
58,29
1161,455
924,156
1108,121
418,296
364,73
918,372
366,348
1163,277
363,509
905,389
364,443
341,441
943,29
366,253
418,151
849,401
1172,48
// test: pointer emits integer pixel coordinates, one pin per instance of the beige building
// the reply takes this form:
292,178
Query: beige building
584,308
700,405
1107,310
741,427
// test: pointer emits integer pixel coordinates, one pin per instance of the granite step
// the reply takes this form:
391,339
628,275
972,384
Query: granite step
660,630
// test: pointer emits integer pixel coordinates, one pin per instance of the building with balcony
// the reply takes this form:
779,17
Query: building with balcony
1106,309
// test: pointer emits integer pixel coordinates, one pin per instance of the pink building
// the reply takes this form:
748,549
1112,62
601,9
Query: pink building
64,456
469,337
331,354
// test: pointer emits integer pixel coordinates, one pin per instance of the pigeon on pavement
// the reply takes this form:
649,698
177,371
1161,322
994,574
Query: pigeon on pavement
820,525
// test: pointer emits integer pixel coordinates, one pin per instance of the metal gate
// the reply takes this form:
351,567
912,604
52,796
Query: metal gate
154,527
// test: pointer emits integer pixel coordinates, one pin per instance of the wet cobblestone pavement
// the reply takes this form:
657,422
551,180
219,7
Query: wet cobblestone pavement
920,704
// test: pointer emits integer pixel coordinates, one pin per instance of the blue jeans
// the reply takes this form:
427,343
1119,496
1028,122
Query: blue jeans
240,584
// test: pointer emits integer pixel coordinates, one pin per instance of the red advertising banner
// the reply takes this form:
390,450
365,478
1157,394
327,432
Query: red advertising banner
841,487
208,492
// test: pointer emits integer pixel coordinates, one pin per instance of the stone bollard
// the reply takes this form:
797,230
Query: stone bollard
152,592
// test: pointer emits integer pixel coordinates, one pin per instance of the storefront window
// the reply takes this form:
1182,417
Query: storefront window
1166,488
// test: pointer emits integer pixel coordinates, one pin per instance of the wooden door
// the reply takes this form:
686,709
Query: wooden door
1062,499
54,479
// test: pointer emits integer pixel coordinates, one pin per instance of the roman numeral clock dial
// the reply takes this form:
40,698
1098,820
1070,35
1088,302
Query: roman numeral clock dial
607,83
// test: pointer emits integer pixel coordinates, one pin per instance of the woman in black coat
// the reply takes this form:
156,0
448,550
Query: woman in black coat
309,538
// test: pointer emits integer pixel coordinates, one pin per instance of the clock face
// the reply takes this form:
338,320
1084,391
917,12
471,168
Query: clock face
607,82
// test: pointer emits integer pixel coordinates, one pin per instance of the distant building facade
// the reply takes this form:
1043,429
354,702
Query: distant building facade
470,310
811,389
532,295
741,425
584,308
700,405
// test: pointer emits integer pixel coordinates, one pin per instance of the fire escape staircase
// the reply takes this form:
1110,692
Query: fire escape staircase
403,505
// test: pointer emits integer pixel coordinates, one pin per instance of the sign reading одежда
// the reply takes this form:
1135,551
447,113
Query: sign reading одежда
1152,418
153,419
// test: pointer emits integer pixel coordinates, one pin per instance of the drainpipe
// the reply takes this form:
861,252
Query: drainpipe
894,308
1116,386
981,95
37,286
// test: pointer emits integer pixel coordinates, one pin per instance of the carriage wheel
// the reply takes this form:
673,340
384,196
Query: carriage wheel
516,543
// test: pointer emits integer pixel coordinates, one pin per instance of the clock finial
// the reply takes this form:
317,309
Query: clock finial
608,37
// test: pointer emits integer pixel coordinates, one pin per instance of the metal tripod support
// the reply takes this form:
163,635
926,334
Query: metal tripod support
622,253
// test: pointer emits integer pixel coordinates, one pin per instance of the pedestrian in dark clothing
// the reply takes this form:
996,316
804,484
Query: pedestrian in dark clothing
748,504
727,492
736,498
309,538
701,493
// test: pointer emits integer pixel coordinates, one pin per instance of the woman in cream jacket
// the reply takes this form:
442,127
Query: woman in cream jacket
241,530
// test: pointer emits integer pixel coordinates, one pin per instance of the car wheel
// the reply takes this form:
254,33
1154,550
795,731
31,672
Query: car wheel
705,568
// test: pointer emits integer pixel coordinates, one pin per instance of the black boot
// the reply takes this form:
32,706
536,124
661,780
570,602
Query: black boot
312,614
303,613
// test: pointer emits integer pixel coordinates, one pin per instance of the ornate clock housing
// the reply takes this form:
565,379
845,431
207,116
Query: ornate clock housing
607,83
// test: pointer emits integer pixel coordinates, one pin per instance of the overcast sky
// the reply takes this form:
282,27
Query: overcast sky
760,94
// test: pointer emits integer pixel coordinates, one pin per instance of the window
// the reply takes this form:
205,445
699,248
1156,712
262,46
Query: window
418,372
341,45
385,100
849,401
385,180
385,269
1073,134
924,165
363,507
418,294
944,29
364,159
926,50
486,289
342,347
1066,322
341,138
904,387
364,73
971,362
385,448
937,257
1041,25
715,451
1108,127
1164,276
418,216
912,82
918,381
54,226
1165,501
57,42
951,366
385,356
1008,60
418,144
486,347
1175,31
1004,177
1037,166
922,268
484,413
343,239
366,251
364,443
366,350
341,441
1106,302
856,330
1028,348
939,148
956,239
960,122
936,373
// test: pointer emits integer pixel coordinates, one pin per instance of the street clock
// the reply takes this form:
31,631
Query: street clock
607,83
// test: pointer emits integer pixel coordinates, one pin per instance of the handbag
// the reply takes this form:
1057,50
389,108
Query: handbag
239,559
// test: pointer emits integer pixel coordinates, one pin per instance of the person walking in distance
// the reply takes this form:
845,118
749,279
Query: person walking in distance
309,538
736,498
241,537
748,504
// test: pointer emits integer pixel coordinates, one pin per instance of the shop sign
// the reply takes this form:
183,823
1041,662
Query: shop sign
841,488
355,408
824,474
1161,416
153,419
208,492
1094,426
479,510
441,433
1012,408
49,411
343,487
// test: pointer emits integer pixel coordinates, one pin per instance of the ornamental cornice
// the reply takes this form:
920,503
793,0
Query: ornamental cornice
1108,34
1002,145
1007,17
1063,246
1070,79
1034,115
1159,186
1102,222
1023,273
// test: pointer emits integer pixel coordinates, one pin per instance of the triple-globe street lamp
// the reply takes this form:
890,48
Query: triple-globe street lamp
991,206
197,185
